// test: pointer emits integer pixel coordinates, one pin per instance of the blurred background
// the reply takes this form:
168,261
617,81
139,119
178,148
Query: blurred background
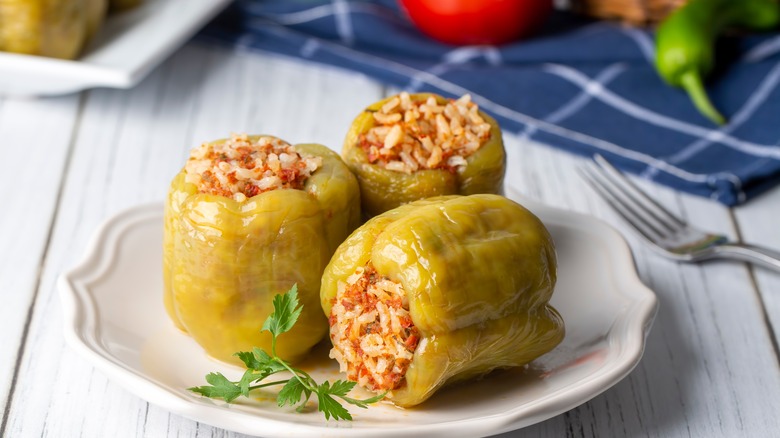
682,93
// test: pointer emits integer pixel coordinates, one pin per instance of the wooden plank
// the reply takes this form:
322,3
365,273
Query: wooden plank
709,359
36,136
129,146
758,224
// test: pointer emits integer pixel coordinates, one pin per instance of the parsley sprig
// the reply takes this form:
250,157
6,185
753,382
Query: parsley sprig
296,390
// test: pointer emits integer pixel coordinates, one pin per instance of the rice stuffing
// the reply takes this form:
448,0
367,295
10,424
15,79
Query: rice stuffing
408,136
242,167
372,332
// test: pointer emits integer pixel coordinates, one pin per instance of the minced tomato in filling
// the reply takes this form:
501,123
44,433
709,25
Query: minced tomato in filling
408,136
372,332
242,167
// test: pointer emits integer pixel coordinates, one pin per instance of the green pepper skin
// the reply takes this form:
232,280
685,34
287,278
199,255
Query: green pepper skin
685,41
223,260
123,5
383,189
54,28
479,272
96,14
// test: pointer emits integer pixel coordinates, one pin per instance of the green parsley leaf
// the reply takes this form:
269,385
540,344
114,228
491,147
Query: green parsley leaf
340,388
266,362
296,390
285,314
291,393
247,379
249,360
330,407
220,387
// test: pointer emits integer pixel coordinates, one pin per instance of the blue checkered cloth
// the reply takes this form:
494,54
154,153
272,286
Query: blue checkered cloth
587,87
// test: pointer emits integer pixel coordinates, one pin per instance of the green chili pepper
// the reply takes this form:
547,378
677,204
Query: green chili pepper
685,42
382,189
478,272
224,260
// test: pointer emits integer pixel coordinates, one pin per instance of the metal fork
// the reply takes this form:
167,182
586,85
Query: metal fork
667,233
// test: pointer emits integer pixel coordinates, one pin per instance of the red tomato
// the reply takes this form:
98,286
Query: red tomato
477,21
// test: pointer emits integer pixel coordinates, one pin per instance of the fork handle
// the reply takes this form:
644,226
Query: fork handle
748,253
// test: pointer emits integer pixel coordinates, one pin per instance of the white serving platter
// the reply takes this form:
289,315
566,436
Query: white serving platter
126,49
114,317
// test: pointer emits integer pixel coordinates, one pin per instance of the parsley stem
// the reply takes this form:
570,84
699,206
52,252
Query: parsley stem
280,382
295,373
261,365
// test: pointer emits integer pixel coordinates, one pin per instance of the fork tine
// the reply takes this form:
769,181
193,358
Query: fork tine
642,212
664,216
635,220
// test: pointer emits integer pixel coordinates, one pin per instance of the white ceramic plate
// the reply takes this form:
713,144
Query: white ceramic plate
114,316
129,46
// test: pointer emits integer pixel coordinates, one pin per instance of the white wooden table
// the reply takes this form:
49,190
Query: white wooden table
711,364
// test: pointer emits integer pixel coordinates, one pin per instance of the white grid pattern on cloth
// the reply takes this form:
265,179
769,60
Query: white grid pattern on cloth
341,11
458,56
500,110
299,17
581,99
763,90
309,47
646,115
590,90
758,53
764,50
642,40
319,12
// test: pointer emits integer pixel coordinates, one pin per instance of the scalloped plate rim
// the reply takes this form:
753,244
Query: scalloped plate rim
81,332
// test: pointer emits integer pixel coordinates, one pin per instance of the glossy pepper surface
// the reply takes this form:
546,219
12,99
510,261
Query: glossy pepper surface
224,260
121,5
96,14
382,189
685,42
478,272
54,28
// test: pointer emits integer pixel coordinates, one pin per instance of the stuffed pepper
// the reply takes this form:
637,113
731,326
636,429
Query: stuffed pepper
96,14
246,219
57,29
441,290
414,146
122,5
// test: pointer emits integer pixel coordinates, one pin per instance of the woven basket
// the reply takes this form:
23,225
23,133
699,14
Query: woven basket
638,12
